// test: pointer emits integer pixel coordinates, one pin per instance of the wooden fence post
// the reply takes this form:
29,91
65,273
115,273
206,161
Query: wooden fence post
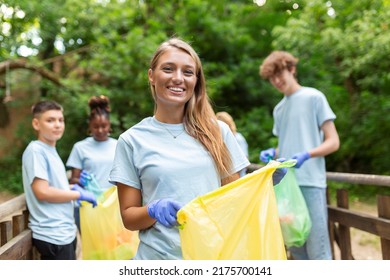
344,231
384,212
5,232
17,225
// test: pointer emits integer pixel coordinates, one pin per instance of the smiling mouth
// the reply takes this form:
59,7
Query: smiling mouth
176,89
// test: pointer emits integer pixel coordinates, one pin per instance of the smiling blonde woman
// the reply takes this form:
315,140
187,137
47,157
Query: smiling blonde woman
179,153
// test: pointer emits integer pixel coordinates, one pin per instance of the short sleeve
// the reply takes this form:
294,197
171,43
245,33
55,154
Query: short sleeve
124,170
324,112
75,159
36,165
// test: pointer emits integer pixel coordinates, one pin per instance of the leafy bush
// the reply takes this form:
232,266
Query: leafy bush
11,175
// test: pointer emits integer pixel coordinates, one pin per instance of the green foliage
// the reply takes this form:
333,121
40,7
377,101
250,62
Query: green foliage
258,139
343,48
10,175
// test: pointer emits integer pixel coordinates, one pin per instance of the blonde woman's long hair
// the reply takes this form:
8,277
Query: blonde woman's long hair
199,118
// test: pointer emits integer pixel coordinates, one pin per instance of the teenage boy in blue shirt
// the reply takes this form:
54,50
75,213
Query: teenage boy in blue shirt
49,196
304,125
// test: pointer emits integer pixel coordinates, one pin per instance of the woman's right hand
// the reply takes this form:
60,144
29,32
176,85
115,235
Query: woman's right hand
164,211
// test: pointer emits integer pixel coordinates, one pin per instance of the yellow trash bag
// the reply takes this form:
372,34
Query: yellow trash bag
238,221
103,235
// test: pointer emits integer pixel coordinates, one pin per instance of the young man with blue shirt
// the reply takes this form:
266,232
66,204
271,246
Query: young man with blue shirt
304,125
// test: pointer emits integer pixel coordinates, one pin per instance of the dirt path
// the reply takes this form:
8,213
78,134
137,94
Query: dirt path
365,246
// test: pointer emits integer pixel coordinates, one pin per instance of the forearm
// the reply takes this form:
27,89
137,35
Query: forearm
331,141
55,195
137,218
326,148
75,178
134,215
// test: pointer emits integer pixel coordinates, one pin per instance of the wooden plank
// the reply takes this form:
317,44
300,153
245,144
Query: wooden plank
363,179
5,232
362,221
18,248
12,206
344,231
17,224
383,202
26,215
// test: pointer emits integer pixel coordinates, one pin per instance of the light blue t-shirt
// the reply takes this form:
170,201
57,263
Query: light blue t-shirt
149,158
50,222
244,147
95,157
297,124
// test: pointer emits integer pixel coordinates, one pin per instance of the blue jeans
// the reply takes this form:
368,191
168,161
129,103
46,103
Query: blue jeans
317,245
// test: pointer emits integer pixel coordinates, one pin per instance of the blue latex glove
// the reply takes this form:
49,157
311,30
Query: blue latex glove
267,155
85,195
164,211
279,173
84,179
300,158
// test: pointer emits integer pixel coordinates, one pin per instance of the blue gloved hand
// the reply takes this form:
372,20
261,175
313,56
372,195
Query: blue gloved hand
279,173
84,195
267,155
300,158
84,179
164,211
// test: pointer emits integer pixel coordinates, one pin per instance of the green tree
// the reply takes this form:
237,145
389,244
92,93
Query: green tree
84,48
344,50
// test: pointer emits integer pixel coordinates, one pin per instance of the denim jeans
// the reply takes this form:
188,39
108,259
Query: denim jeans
317,245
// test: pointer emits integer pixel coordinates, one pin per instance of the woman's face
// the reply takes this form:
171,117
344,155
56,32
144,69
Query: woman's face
174,78
100,128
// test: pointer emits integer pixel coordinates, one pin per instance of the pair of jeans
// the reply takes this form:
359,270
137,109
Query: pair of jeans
317,245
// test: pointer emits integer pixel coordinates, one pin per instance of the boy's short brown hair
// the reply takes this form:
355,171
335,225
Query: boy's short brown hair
276,62
43,106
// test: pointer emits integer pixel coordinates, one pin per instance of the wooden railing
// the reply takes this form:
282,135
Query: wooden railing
15,237
341,218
